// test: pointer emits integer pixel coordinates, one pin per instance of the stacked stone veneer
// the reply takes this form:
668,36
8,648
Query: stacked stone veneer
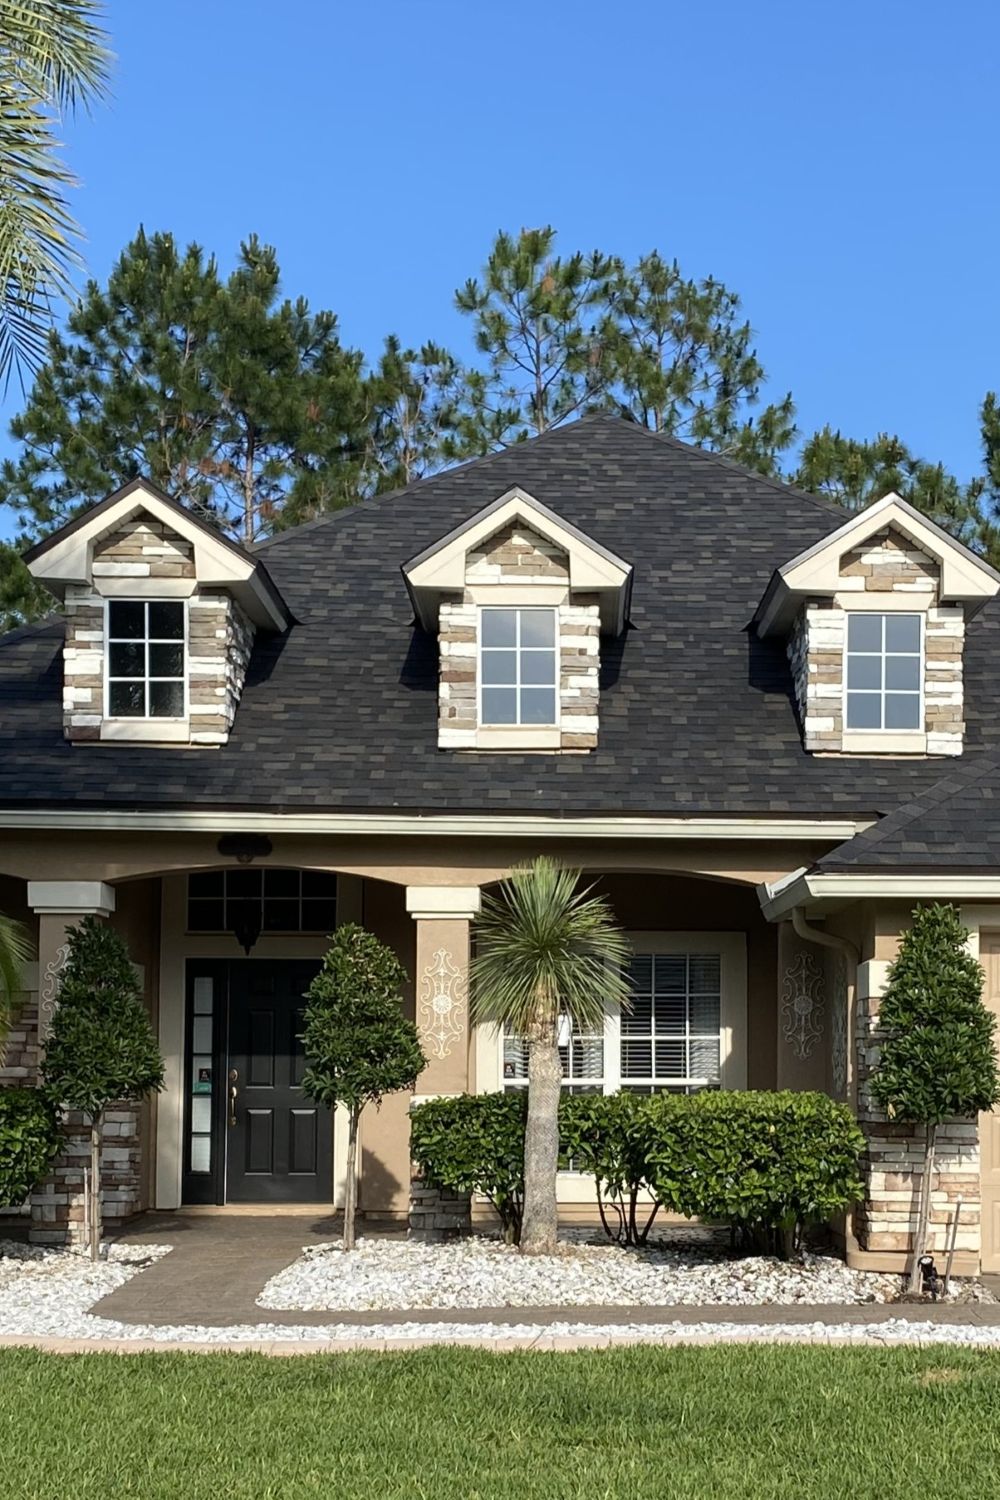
886,563
220,637
518,556
56,1208
436,1214
886,1219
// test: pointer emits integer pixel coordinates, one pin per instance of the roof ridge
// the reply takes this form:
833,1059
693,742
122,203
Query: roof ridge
33,627
622,424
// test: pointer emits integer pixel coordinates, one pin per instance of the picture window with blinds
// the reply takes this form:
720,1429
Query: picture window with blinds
275,900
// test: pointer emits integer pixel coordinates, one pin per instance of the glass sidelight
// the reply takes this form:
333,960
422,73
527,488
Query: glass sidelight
204,1088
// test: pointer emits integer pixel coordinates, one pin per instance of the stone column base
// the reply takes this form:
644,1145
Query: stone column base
437,1215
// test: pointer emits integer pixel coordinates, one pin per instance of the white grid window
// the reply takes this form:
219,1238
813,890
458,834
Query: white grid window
518,666
884,670
582,1063
147,674
670,1036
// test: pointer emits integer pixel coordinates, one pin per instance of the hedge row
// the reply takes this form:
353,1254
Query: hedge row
767,1164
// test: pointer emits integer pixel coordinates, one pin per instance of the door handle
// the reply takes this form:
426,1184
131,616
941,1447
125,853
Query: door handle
233,1092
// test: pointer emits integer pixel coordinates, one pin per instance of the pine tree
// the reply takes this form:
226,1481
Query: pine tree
101,1048
535,319
358,1044
681,360
231,399
938,1060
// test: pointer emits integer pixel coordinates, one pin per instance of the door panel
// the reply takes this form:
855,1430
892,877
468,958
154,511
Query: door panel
989,1124
279,1145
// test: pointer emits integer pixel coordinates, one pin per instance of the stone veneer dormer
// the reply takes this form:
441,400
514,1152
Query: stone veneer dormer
140,547
517,555
889,558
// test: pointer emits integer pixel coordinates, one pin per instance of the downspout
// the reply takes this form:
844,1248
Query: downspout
852,957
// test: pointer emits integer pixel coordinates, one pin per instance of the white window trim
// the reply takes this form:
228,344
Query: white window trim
577,1187
545,735
887,739
118,726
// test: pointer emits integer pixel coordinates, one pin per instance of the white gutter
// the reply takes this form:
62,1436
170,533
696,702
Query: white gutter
446,825
780,899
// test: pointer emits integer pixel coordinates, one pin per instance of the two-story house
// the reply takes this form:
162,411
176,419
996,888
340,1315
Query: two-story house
764,727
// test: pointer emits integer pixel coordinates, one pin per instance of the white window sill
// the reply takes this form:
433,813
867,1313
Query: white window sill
146,731
885,741
518,737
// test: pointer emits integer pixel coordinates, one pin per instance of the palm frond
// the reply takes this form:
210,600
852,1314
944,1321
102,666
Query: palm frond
52,58
59,48
545,947
15,951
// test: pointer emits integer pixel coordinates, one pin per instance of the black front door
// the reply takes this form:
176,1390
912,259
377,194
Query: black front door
279,1146
265,1143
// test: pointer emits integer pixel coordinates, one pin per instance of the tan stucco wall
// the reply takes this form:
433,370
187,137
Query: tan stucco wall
385,1132
113,856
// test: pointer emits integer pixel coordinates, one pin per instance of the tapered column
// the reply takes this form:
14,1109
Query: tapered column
443,914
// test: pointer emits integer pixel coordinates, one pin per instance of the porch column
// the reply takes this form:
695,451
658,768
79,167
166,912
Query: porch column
443,914
57,1209
60,904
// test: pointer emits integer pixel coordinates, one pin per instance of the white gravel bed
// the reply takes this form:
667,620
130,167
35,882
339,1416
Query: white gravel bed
49,1291
481,1272
46,1293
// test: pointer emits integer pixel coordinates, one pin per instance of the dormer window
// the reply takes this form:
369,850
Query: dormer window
884,672
518,600
518,673
161,613
874,621
147,676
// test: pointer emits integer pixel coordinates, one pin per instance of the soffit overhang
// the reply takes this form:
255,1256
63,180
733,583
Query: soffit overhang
816,573
67,556
439,571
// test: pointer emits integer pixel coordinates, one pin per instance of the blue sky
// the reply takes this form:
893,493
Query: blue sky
835,163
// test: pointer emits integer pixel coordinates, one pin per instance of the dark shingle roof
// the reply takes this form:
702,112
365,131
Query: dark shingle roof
953,826
341,713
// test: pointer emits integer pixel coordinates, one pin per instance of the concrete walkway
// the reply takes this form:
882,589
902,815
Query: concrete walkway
220,1263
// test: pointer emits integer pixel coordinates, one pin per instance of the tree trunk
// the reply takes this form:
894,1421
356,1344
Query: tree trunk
923,1209
94,1205
351,1190
541,1146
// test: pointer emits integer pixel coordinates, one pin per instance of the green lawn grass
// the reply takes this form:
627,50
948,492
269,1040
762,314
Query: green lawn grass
738,1421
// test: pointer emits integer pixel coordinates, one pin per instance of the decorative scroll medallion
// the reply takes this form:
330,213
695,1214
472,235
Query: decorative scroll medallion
48,989
802,1004
442,1003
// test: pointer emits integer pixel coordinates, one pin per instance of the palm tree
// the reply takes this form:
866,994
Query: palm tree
52,59
15,950
545,949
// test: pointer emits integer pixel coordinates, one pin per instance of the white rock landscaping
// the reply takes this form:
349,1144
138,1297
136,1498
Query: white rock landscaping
481,1272
46,1294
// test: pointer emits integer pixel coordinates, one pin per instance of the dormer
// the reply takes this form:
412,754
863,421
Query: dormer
519,599
875,616
161,612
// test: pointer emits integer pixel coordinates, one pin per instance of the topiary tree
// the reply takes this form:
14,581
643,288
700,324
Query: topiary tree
358,1044
101,1047
938,1060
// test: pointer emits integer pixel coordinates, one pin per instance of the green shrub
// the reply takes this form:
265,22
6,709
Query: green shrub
29,1139
608,1136
474,1143
767,1164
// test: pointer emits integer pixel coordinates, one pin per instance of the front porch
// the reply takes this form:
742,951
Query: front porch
723,998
